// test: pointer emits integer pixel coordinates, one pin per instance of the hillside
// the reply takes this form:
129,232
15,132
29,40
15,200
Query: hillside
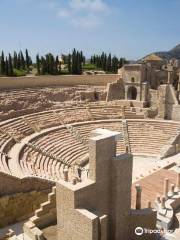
173,53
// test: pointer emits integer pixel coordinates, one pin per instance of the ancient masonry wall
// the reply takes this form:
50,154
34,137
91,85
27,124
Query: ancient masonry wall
144,218
11,185
20,197
115,91
62,80
20,206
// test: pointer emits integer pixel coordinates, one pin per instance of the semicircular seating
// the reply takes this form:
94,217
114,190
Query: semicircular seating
62,144
146,137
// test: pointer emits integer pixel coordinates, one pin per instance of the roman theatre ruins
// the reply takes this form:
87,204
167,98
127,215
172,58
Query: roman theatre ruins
124,143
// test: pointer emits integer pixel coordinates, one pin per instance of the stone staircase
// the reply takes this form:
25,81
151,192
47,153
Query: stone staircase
43,217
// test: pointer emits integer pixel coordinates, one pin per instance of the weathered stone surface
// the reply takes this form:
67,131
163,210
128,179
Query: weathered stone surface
19,206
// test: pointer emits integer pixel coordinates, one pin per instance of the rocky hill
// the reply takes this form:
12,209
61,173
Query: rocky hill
173,53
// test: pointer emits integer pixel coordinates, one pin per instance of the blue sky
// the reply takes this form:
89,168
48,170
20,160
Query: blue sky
129,28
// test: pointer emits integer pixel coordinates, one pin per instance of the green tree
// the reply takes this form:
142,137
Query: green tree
15,60
28,60
57,66
22,61
6,67
69,64
38,64
109,64
10,66
43,66
2,64
115,64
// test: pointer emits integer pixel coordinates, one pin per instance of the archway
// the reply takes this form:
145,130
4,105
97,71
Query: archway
132,93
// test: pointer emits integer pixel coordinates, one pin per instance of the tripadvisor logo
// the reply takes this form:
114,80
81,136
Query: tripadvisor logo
139,231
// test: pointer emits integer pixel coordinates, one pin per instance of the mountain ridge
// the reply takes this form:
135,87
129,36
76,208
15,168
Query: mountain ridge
173,53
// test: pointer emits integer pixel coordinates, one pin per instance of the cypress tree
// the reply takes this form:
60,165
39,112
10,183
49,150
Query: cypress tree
6,67
46,64
57,66
15,60
109,66
10,66
50,64
19,61
27,60
69,64
104,63
43,66
38,64
79,63
22,61
114,64
3,67
74,65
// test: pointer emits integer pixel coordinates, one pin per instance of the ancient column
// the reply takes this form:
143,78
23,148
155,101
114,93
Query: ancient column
65,173
166,187
138,196
169,77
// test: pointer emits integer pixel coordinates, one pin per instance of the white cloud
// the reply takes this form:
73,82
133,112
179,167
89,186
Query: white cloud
90,5
84,13
89,21
64,13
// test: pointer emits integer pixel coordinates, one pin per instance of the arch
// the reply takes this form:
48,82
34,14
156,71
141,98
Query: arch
132,93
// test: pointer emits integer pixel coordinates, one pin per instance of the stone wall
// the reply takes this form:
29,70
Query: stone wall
19,206
62,80
20,197
115,91
144,218
153,97
11,185
176,112
166,102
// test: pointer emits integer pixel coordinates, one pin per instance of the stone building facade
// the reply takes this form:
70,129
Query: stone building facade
135,78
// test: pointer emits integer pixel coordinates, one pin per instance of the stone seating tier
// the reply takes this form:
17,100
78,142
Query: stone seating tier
146,137
62,144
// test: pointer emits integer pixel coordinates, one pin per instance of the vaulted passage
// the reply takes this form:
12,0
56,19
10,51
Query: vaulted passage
132,93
